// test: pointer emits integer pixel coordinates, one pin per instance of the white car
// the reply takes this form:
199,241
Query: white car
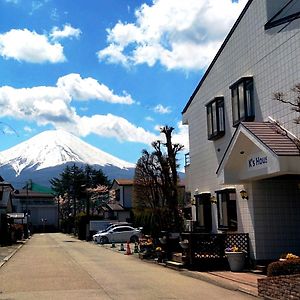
120,234
96,235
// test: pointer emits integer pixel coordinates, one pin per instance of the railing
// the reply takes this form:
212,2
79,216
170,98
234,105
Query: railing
207,251
187,160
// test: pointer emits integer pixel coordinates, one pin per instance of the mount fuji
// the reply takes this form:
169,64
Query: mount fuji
45,156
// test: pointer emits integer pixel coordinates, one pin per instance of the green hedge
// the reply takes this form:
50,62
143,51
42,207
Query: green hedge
287,267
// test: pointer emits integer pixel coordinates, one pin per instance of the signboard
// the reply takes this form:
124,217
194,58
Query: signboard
257,161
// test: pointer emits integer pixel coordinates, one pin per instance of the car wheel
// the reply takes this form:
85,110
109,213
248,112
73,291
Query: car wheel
134,239
103,240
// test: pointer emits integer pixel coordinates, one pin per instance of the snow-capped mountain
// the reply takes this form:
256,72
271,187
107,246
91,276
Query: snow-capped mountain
45,155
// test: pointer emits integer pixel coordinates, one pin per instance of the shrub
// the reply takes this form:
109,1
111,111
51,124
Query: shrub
287,267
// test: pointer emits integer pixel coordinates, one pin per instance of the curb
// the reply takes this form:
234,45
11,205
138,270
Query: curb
8,257
215,280
202,276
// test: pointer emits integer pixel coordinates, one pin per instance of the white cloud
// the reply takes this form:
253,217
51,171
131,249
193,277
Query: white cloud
54,102
181,136
89,88
150,119
67,32
54,14
113,54
161,109
52,105
24,45
178,34
114,126
28,129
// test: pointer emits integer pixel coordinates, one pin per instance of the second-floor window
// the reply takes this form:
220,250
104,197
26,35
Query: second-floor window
242,101
215,118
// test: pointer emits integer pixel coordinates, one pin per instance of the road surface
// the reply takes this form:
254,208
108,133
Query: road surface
57,266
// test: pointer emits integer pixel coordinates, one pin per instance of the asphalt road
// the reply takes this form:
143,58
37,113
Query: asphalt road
57,266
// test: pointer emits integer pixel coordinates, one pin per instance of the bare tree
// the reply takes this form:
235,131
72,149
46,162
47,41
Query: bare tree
295,103
156,184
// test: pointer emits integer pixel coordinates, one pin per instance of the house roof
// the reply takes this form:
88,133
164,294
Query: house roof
115,206
124,181
217,55
259,150
276,138
6,184
31,194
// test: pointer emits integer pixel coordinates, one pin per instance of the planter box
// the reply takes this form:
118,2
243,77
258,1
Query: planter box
236,261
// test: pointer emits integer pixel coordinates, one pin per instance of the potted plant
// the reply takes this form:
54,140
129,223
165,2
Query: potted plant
159,254
184,244
236,258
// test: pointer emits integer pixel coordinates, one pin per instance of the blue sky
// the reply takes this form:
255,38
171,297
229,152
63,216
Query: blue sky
112,72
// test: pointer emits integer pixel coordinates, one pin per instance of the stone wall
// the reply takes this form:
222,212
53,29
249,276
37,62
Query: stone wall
280,287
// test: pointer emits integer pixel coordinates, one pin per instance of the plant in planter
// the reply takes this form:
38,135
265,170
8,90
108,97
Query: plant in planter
184,244
286,256
159,254
236,258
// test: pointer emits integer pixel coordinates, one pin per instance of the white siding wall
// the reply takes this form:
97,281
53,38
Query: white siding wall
272,58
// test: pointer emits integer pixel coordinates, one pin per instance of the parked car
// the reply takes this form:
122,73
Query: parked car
110,226
120,234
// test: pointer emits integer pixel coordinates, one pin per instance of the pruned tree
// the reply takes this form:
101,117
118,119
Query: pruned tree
295,103
156,185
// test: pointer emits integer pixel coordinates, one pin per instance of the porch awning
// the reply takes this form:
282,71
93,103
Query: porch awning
259,150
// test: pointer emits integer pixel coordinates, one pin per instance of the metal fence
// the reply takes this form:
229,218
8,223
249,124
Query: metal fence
207,251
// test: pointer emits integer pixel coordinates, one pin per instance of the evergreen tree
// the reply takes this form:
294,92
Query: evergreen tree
72,186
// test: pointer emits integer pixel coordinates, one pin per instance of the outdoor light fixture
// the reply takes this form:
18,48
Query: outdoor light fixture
244,194
213,199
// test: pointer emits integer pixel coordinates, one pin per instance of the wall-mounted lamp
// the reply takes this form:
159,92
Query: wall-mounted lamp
213,199
244,194
193,201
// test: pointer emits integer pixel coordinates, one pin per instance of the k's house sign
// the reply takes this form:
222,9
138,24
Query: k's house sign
257,161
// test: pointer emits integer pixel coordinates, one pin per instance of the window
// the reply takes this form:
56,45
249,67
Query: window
121,229
242,101
226,201
285,15
203,212
215,118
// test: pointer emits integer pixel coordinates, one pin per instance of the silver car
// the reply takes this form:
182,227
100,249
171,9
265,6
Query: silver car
120,234
96,235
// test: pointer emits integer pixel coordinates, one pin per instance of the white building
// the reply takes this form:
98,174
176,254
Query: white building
236,143
40,207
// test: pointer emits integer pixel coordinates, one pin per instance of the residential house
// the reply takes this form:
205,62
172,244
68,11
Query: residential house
39,205
120,200
5,207
244,162
123,192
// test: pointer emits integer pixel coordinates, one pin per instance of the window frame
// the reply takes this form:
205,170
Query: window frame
242,101
215,116
203,212
227,214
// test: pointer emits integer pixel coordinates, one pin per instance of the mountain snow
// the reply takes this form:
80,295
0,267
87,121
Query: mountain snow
56,147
